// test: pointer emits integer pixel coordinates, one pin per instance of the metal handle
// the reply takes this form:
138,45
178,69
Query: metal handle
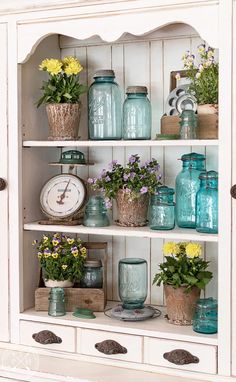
233,191
110,347
3,184
180,357
46,337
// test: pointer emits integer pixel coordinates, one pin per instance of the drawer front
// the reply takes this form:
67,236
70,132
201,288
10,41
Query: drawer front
66,336
87,339
155,348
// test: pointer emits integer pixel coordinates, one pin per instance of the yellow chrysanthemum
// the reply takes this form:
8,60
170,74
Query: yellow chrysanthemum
74,67
70,241
52,66
170,248
193,250
55,255
64,266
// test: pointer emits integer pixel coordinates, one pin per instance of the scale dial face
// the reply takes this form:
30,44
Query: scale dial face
63,196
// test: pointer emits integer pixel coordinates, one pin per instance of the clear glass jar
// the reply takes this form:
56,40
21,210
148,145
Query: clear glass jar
186,187
105,111
207,203
95,214
206,316
56,305
137,115
162,209
188,125
93,274
133,282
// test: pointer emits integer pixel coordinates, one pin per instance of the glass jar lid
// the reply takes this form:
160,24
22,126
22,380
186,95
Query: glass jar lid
193,157
136,89
104,73
93,264
207,303
164,190
132,260
208,175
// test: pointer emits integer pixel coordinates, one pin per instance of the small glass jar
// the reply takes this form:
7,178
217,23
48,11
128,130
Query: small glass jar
205,318
93,274
188,125
133,282
105,108
207,203
162,209
137,115
56,305
96,213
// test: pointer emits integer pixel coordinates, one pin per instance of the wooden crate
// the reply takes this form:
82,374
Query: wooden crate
207,125
91,298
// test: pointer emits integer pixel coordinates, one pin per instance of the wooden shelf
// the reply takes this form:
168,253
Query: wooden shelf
114,230
147,143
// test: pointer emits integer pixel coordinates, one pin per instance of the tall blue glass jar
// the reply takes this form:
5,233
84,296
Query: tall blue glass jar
162,209
105,110
186,187
207,203
133,281
137,115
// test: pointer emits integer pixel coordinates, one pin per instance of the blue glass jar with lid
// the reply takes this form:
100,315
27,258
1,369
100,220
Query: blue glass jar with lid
93,274
206,316
162,209
137,115
105,109
207,203
187,185
95,214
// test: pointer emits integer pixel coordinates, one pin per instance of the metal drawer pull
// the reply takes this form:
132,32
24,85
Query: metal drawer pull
233,191
180,357
3,184
110,347
46,337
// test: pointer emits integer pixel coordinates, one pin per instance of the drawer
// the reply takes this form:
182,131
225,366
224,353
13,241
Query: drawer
154,349
87,339
66,334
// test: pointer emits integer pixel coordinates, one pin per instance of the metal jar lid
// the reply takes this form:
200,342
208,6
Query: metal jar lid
136,89
104,73
93,264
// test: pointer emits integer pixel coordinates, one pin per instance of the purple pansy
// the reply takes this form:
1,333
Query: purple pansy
126,177
144,190
107,179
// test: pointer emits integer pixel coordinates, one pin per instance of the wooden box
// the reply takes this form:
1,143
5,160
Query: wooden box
91,298
207,125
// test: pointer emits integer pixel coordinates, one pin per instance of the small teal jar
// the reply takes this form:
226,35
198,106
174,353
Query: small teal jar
162,209
207,203
206,316
187,185
105,108
96,213
137,114
93,274
56,305
188,125
133,282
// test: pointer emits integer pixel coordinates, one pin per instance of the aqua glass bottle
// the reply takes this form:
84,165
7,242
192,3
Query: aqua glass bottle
137,114
207,203
56,306
206,316
95,214
105,109
162,209
186,187
188,125
133,282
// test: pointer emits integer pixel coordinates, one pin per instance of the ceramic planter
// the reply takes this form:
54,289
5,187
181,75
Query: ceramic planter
63,120
60,284
132,212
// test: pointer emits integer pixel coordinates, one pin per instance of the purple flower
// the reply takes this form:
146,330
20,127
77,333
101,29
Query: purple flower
107,179
132,175
90,180
108,203
159,176
103,173
132,159
144,190
126,177
112,164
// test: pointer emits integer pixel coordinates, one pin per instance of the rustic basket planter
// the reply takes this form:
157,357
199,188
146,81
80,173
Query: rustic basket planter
63,120
132,212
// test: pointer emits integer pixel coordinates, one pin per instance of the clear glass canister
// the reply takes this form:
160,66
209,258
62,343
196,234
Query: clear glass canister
93,274
56,305
207,203
133,282
162,209
186,187
137,115
105,110
96,213
206,316
188,125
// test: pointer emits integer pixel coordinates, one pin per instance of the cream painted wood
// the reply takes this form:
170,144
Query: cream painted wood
86,340
154,350
67,334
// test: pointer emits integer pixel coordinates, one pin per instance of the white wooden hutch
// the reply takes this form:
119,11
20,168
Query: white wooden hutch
143,41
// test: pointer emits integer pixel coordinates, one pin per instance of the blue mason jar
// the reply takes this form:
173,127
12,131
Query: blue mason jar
56,306
133,281
206,316
105,111
95,214
186,187
207,203
188,125
137,115
162,209
93,274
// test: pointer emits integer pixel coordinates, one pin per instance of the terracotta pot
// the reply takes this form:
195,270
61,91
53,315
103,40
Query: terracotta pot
181,305
63,120
207,109
132,212
60,284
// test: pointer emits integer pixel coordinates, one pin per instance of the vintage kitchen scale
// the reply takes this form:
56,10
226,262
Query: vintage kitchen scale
63,197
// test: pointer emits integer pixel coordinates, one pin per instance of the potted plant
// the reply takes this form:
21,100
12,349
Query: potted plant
130,186
61,93
61,259
183,274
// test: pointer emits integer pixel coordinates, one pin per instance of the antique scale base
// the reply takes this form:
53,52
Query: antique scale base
145,313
